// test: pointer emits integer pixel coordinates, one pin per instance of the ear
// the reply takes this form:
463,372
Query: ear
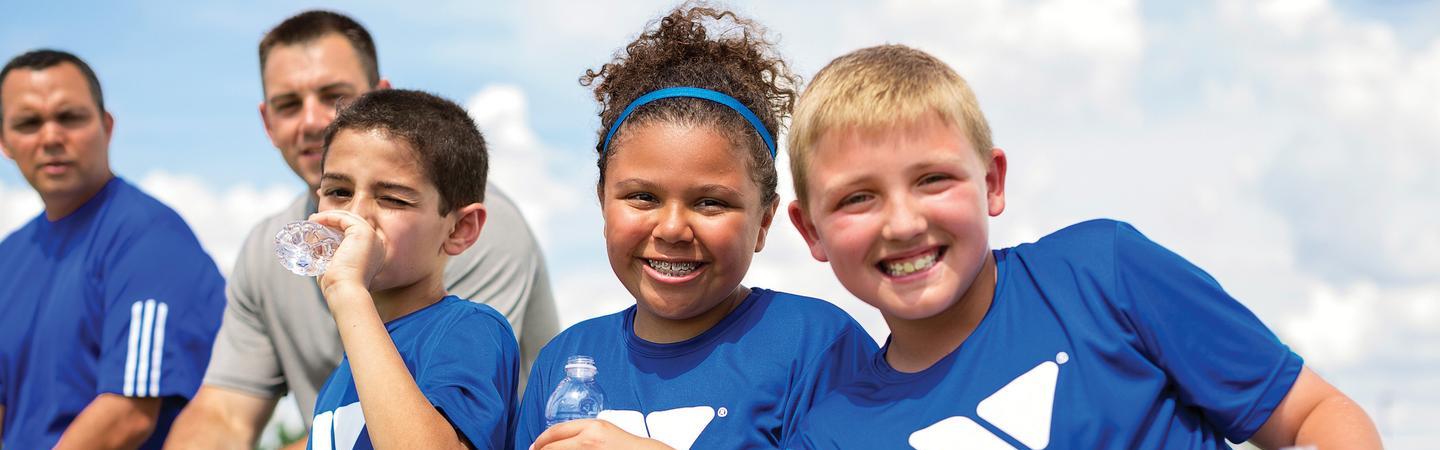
765,224
466,229
801,220
384,83
108,122
995,181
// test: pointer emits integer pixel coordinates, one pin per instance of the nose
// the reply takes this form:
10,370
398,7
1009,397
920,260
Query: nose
363,206
904,220
316,116
52,137
674,225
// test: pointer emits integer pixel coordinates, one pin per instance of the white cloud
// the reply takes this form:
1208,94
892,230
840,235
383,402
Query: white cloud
220,216
18,204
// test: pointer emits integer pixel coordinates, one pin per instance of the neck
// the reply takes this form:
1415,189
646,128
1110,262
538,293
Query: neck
58,206
917,344
396,302
654,328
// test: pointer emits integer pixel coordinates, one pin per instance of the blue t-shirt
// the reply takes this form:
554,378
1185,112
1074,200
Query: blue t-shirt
116,297
744,383
1097,338
463,357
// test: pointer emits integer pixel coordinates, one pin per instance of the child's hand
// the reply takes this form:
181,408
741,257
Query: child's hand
591,433
361,252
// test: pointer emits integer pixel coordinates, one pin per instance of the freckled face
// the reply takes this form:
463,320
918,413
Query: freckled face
902,213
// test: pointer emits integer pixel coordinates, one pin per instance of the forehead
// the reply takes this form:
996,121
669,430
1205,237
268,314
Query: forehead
58,83
327,59
375,152
678,152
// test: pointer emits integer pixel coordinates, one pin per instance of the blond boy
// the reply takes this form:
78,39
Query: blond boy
1091,337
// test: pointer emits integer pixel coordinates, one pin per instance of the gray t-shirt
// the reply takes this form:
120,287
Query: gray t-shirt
278,334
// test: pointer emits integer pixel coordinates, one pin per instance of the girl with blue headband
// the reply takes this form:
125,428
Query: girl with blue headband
689,115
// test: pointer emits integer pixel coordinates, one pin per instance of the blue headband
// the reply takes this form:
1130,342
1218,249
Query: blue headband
692,92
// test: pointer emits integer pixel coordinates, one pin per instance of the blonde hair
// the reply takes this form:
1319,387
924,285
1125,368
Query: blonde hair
877,87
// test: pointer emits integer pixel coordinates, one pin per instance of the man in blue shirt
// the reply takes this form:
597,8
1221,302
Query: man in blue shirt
110,303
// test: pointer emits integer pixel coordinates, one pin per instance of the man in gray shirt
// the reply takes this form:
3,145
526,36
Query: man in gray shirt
278,334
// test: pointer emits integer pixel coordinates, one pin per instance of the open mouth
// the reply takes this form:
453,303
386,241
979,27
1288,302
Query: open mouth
676,269
912,264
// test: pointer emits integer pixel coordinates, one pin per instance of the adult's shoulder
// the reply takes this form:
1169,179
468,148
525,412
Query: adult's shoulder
134,216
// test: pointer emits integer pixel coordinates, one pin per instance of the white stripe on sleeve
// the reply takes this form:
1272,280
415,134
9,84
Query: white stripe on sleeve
130,354
147,330
158,353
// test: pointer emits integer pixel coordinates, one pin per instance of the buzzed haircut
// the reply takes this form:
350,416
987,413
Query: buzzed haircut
877,87
46,58
311,25
445,140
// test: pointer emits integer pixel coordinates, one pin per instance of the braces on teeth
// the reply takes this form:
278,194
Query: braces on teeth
673,268
901,269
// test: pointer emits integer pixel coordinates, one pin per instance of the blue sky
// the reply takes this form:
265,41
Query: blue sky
1287,146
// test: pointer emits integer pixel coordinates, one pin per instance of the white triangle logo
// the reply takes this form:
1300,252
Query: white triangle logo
677,428
344,423
1022,408
956,432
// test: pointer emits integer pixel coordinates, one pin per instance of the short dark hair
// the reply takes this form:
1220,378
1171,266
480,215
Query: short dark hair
449,147
315,24
46,58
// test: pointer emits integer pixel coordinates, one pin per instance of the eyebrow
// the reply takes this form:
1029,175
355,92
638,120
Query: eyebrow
328,87
718,189
380,185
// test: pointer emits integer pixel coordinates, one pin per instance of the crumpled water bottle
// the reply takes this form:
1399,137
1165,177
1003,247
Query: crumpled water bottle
577,396
305,248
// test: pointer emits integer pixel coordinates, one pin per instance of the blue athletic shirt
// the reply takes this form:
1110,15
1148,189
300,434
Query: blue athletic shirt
1096,338
463,357
116,297
744,383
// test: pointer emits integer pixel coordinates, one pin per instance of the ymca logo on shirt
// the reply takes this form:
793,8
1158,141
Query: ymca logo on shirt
678,428
338,429
1021,409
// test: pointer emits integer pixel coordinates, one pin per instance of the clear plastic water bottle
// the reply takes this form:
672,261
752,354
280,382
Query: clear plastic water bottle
305,248
577,396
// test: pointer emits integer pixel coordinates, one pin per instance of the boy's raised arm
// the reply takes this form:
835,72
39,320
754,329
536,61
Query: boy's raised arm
1315,413
397,414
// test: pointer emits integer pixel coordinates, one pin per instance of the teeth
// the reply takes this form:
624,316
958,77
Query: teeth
902,268
674,269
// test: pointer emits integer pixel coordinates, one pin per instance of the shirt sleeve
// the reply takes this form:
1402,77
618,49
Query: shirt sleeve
244,357
471,379
163,299
824,371
530,420
505,269
1221,358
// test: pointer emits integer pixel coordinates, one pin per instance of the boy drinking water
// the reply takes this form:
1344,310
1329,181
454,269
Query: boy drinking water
403,179
1091,337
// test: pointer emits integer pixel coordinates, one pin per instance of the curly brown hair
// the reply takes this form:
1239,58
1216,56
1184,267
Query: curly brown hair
699,46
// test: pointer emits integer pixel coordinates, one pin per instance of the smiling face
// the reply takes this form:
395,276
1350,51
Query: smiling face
380,180
682,220
303,85
902,213
56,134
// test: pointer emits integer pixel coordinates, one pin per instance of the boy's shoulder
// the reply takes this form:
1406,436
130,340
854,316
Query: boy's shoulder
800,309
1089,242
